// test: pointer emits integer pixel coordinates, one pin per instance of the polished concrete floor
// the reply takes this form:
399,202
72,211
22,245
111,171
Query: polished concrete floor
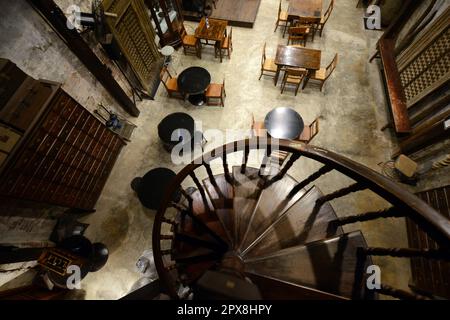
351,109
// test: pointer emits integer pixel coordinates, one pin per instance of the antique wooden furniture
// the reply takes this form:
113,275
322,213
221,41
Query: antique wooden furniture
190,43
293,77
167,20
309,132
216,91
305,8
170,83
296,57
324,73
193,82
215,32
64,154
325,17
299,33
133,32
226,45
305,12
283,123
282,18
428,276
267,64
258,129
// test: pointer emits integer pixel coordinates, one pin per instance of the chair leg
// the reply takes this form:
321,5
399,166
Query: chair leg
296,89
276,26
321,85
260,74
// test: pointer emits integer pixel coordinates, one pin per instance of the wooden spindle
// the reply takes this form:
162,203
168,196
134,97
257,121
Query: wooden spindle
392,212
178,207
211,177
226,170
201,190
294,157
437,254
246,154
341,192
399,294
323,170
264,163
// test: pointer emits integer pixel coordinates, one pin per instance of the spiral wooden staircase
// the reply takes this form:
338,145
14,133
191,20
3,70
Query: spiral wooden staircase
278,234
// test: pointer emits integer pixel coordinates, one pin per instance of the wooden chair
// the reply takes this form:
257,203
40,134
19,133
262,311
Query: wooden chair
309,132
299,33
225,45
170,83
190,43
282,19
324,73
294,77
310,22
216,91
325,18
267,64
258,128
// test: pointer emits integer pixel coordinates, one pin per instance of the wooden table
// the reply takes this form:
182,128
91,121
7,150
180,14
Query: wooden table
297,57
305,8
215,32
311,10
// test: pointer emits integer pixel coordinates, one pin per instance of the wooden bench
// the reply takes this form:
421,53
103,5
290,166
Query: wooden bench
393,84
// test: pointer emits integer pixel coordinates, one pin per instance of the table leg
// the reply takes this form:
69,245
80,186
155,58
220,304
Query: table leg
277,74
305,81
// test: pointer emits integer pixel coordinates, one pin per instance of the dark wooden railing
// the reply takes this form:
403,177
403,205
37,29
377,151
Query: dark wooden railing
403,202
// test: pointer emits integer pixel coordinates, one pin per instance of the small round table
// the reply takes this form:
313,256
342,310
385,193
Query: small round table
284,123
153,186
194,81
175,122
167,52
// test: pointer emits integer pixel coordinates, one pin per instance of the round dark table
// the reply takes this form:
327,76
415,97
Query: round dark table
194,81
284,123
175,122
153,186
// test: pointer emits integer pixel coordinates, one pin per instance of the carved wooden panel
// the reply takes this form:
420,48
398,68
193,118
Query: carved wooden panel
135,37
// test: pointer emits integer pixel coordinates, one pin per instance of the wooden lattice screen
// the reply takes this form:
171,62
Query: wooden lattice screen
135,37
425,65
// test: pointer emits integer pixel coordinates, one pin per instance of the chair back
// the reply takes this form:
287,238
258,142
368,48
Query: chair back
331,66
263,58
279,9
327,14
183,31
298,32
307,21
314,128
164,75
295,72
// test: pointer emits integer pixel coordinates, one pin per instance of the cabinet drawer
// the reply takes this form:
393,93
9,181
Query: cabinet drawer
96,126
57,127
81,140
59,102
63,155
76,114
82,121
34,165
35,143
50,121
69,107
55,149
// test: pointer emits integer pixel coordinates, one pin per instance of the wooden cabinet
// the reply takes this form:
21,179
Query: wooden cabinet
63,155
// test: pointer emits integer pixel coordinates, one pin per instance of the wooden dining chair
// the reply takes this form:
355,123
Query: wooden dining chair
215,94
190,43
325,18
170,83
299,33
282,18
226,45
267,65
294,77
323,74
258,128
309,132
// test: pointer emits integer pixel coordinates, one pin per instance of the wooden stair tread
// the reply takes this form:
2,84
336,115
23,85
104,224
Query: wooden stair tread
184,252
246,194
272,203
209,218
187,231
297,226
327,265
276,289
221,196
